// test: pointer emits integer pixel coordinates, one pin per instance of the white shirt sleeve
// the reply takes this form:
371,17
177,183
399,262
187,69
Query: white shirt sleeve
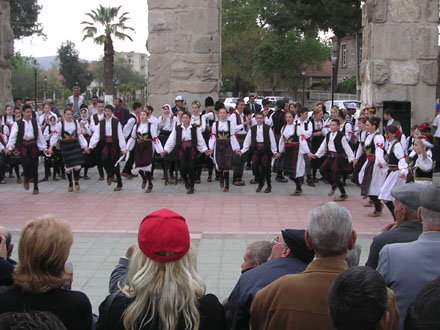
81,139
322,148
213,137
201,145
95,138
171,142
156,142
128,127
347,149
247,142
55,135
132,140
379,145
273,143
121,138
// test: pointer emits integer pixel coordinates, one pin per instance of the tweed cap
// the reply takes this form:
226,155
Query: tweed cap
430,198
408,194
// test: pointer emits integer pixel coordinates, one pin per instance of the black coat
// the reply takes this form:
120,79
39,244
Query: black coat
257,107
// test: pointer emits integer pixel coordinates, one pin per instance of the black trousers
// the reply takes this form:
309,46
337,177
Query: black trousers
262,169
129,163
187,166
30,165
109,162
334,179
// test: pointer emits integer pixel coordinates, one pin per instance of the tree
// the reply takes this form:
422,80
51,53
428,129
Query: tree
113,25
24,18
123,72
23,77
73,70
282,57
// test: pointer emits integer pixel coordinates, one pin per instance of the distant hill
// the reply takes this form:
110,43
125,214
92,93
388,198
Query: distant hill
45,62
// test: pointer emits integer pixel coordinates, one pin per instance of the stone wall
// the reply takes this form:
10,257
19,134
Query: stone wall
349,69
399,57
6,51
185,46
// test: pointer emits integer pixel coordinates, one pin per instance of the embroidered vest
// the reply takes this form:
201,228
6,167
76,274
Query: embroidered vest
115,135
266,137
20,133
193,136
337,142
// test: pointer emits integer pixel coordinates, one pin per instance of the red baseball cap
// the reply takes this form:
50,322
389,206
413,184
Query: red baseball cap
164,231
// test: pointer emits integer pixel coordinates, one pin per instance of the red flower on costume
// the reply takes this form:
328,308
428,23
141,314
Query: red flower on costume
398,133
422,127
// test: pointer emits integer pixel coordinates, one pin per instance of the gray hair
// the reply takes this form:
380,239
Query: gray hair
430,217
260,251
330,229
353,256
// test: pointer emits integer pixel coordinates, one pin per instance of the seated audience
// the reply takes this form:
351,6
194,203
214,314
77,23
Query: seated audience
31,321
163,289
43,250
289,255
353,256
408,267
299,301
118,277
256,254
407,227
424,313
358,300
6,263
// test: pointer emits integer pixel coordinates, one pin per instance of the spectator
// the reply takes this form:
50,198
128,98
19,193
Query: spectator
118,277
121,112
408,267
43,250
31,321
407,227
256,254
180,105
424,313
55,110
289,255
6,263
300,301
92,108
353,256
164,290
18,102
74,101
253,107
358,300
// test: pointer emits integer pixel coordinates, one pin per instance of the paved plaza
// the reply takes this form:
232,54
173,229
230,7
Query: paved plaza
221,224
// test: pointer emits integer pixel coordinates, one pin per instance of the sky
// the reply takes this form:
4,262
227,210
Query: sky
62,19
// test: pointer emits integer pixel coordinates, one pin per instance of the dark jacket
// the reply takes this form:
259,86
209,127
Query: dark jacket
122,114
240,300
119,275
406,232
212,315
256,106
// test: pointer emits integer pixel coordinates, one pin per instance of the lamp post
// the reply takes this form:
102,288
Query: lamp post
334,57
35,82
45,88
303,74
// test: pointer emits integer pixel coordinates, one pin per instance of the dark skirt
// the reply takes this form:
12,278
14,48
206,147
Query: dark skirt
357,169
333,165
72,153
173,155
29,149
54,159
143,153
15,157
110,153
290,159
223,155
262,154
368,175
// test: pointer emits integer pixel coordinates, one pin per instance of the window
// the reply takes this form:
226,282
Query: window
360,53
344,55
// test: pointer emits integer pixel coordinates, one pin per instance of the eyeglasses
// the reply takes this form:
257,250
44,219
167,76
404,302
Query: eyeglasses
276,240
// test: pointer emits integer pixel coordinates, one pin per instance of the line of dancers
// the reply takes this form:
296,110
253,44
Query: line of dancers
292,141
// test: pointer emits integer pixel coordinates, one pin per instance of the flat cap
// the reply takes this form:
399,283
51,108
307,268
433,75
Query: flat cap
409,194
430,198
295,241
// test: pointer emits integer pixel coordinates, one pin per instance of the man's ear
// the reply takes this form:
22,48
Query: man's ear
308,240
384,320
419,214
11,248
352,241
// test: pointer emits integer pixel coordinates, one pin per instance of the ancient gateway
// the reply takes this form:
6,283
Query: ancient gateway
6,51
185,46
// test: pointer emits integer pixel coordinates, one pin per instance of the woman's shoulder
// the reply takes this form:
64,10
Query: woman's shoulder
212,314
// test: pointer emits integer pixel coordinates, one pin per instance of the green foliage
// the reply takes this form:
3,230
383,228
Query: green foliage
24,18
72,69
123,72
348,86
23,77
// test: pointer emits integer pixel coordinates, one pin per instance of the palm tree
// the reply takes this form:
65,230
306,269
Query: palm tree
114,25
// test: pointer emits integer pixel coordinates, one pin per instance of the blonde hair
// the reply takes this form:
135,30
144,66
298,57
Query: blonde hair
43,249
162,292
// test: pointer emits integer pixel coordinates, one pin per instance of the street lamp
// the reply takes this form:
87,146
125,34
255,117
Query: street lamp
334,57
45,88
303,74
35,65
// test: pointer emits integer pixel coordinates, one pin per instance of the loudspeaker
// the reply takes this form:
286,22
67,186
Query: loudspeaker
401,112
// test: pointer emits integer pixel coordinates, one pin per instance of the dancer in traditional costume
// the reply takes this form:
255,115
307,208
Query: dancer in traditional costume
197,120
142,143
166,124
338,153
54,159
109,132
96,153
14,157
421,165
373,174
26,135
209,118
187,139
397,166
292,147
261,143
86,131
318,135
4,137
127,130
72,142
361,156
223,143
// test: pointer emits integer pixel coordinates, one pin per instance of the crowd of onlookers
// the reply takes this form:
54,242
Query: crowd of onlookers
302,279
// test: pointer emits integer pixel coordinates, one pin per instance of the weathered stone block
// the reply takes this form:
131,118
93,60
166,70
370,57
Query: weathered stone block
392,41
379,11
389,92
181,70
428,73
208,72
422,99
159,74
167,4
159,43
198,19
405,10
160,20
207,44
199,58
380,72
430,9
193,86
404,72
426,42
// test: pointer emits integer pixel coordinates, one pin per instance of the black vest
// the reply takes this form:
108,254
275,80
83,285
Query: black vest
337,142
392,159
115,135
20,133
224,135
266,137
371,148
147,135
63,132
193,136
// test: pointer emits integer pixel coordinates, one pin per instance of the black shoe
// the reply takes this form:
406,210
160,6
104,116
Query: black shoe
268,190
248,167
310,182
281,179
186,185
190,191
260,187
253,181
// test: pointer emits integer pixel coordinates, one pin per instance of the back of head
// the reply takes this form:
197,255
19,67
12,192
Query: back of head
330,229
358,299
31,321
260,251
424,313
280,104
43,249
162,275
353,256
430,205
